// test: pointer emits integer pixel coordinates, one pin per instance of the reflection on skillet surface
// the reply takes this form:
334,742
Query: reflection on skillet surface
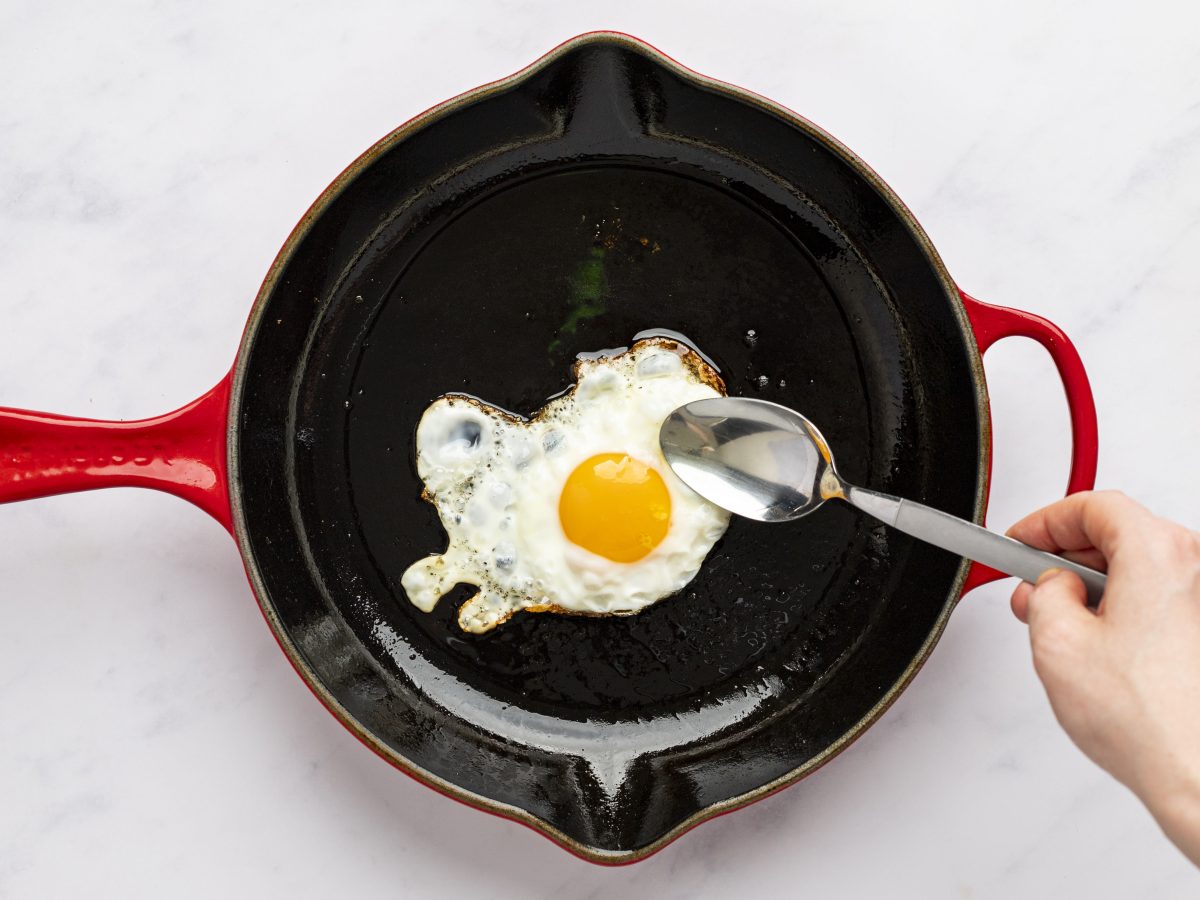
603,196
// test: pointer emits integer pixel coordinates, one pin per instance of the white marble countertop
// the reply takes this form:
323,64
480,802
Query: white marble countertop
154,741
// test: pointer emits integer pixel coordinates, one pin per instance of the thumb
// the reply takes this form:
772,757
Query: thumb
1057,608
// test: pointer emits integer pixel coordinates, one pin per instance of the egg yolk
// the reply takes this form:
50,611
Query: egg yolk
616,507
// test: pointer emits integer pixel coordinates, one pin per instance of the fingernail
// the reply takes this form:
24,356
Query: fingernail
1047,575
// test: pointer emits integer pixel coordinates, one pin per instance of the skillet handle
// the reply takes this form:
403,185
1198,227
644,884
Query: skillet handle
993,323
182,453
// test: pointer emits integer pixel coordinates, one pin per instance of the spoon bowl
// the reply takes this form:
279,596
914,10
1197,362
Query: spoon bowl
754,458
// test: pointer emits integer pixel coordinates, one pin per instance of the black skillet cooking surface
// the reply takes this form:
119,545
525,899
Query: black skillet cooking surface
599,195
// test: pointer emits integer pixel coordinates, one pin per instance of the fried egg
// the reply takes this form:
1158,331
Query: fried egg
573,510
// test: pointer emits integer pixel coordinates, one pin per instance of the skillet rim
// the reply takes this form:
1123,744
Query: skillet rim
241,365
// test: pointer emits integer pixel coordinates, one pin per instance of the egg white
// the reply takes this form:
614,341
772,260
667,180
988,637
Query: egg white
495,480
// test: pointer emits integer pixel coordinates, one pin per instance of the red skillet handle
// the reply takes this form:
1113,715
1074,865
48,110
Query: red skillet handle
182,453
992,323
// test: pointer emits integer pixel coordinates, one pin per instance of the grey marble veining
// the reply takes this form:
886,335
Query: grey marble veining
153,157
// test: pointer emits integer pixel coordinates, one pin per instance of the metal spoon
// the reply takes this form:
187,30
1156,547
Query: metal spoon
769,463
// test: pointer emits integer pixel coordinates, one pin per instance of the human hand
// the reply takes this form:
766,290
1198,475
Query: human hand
1124,682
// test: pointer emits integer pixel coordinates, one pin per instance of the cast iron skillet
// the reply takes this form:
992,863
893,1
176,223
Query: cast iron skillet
602,192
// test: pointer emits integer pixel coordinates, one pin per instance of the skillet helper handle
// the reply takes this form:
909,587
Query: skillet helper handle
1002,554
182,453
993,323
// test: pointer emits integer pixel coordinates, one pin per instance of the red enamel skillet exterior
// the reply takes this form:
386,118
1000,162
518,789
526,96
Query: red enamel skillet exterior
186,452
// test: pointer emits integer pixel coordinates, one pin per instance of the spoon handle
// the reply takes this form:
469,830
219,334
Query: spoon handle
970,540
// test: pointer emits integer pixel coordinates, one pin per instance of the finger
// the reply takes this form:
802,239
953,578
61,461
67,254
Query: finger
1091,557
1090,519
1057,606
1020,601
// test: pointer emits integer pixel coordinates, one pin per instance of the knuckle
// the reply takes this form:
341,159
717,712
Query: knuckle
1118,504
1189,541
1182,540
1109,498
1176,545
